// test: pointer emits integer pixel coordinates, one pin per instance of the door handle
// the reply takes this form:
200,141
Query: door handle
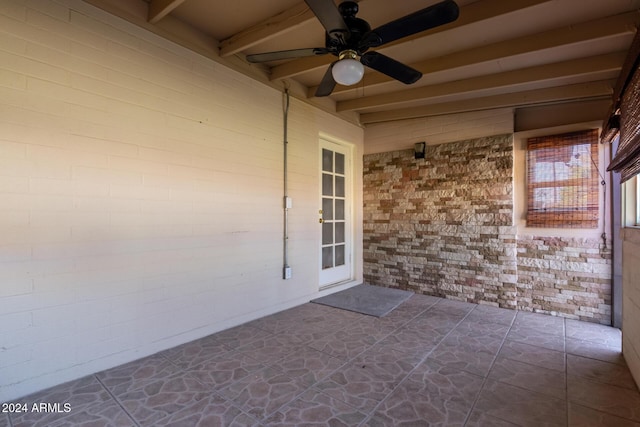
320,220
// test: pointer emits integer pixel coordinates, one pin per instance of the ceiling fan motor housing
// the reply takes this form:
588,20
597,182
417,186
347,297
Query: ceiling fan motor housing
357,29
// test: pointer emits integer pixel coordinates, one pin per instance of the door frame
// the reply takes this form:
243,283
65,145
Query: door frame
326,141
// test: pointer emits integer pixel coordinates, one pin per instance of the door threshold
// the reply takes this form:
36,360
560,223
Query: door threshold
340,283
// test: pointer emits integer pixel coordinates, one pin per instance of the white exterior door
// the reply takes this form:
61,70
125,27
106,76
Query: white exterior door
335,213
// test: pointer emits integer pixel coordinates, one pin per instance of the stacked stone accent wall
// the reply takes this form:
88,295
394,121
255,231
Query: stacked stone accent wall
564,276
443,226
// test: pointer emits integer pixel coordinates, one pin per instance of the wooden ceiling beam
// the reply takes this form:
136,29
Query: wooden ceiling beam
611,26
469,14
592,90
509,79
267,29
158,9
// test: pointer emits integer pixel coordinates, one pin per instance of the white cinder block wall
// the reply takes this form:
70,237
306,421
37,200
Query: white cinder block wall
141,195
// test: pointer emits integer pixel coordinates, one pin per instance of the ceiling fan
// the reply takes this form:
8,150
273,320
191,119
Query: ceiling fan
349,38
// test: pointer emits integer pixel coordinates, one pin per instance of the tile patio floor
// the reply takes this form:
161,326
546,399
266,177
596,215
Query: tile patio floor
430,362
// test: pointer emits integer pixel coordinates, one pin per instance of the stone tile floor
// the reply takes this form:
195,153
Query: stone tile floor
430,362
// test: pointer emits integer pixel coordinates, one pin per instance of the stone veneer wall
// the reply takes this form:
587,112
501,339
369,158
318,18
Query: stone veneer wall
444,226
570,277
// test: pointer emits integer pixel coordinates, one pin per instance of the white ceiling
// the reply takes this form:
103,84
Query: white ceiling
499,53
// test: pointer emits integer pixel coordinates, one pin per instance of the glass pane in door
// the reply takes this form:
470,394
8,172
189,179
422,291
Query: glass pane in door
327,184
339,186
327,257
327,233
340,163
327,160
339,255
339,236
339,209
327,208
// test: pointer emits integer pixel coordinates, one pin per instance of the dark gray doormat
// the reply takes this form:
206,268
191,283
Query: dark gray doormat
366,299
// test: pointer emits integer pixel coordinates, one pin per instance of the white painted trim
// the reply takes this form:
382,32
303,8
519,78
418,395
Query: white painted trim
350,211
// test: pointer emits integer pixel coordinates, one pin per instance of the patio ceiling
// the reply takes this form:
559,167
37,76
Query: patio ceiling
516,53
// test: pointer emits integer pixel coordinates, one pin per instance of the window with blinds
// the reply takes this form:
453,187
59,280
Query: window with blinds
562,180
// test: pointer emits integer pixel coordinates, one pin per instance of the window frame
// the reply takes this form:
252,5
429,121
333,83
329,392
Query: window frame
574,216
637,201
631,202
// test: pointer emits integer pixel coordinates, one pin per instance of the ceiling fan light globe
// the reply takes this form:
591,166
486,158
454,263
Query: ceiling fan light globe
347,71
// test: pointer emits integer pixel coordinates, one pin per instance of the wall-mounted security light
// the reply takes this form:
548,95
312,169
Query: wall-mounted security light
419,149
